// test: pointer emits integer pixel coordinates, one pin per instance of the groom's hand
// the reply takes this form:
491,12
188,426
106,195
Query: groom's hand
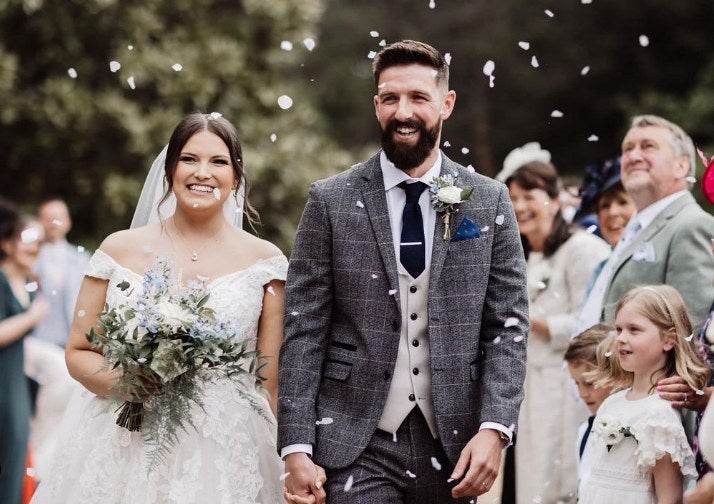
304,479
478,464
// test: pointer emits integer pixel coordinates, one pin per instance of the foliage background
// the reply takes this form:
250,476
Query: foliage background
90,139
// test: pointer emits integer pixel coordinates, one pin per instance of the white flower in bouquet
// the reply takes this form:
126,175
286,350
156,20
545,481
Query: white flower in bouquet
175,316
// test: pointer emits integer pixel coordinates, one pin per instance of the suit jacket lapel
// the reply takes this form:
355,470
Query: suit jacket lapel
439,245
375,204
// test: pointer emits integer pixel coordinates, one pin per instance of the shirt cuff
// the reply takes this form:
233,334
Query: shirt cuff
296,448
498,427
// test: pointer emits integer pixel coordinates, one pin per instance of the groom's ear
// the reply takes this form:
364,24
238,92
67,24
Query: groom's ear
447,105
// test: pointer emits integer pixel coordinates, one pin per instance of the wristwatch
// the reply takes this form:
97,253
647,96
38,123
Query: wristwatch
503,437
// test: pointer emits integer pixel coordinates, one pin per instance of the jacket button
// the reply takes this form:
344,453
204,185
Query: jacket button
395,325
412,289
413,316
387,375
412,397
415,371
415,343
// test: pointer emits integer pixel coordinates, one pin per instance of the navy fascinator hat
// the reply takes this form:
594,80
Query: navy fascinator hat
598,180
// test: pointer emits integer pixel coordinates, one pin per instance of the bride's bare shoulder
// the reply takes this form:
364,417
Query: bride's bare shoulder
259,248
129,243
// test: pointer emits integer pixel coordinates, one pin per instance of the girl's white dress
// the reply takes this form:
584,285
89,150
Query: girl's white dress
230,458
624,473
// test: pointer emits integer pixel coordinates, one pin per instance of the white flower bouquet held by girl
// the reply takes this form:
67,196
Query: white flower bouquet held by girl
166,342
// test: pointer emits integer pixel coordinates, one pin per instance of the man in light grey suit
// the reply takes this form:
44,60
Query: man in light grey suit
668,241
403,362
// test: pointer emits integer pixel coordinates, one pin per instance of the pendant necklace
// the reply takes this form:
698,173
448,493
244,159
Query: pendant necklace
194,252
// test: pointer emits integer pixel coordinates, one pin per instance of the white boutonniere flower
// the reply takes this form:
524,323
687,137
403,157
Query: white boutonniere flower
610,430
445,195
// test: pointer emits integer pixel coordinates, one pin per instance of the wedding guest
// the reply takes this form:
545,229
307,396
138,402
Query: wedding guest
703,493
60,268
20,311
560,260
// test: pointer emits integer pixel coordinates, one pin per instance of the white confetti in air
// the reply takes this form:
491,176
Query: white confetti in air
608,354
591,229
271,290
534,62
549,13
217,193
324,421
392,292
54,292
286,45
700,392
382,43
285,102
587,1
132,83
541,285
690,337
371,54
31,287
374,277
537,499
524,45
114,66
283,476
464,150
456,432
471,169
485,228
556,113
177,67
447,58
394,437
497,340
359,204
348,484
130,47
593,138
294,314
374,34
309,43
29,236
691,180
72,73
489,67
518,339
411,474
500,219
432,4
510,322
447,143
141,360
435,464
81,313
644,40
273,137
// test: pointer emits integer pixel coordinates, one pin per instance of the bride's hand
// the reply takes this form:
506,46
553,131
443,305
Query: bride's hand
142,389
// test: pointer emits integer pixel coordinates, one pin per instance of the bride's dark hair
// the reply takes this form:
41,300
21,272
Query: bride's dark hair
216,124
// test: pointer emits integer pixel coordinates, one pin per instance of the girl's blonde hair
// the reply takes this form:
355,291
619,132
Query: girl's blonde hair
664,307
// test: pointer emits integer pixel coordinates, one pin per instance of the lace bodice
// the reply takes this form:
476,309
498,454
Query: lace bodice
236,297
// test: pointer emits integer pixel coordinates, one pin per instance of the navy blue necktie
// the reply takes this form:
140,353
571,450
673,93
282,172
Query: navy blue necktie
586,434
411,249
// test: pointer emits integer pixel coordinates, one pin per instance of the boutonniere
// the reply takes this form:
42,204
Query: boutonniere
610,430
445,195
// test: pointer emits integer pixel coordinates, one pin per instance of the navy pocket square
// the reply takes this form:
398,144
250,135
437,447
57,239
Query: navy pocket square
468,230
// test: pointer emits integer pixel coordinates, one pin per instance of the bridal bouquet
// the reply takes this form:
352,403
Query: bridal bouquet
166,342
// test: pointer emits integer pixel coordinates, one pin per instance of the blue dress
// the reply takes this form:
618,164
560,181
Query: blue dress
14,405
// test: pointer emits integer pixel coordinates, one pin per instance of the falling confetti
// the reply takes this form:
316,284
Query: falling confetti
541,285
348,484
484,229
29,236
359,204
54,292
324,421
700,392
497,340
411,474
294,314
447,143
72,73
585,70
132,83
556,113
273,137
371,54
217,193
471,169
271,290
534,62
81,313
80,249
549,13
510,322
130,47
690,337
283,476
309,43
31,287
114,66
489,67
500,219
608,354
374,34
447,58
394,437
593,138
464,150
432,4
456,432
392,292
537,499
435,464
286,45
587,1
141,360
644,40
518,339
215,116
382,43
177,67
591,229
691,179
285,102
524,45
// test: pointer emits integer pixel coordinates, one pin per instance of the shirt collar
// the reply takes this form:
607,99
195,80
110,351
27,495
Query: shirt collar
650,213
393,176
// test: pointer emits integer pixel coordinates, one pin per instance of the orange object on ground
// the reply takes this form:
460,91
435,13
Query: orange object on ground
29,485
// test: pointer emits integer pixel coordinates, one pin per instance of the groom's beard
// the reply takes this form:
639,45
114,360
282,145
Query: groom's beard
406,156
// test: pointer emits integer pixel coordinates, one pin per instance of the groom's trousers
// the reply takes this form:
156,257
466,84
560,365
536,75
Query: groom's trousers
409,467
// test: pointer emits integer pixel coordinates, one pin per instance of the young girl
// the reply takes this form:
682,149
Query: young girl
640,451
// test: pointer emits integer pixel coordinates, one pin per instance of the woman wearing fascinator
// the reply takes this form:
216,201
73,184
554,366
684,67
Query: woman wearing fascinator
223,294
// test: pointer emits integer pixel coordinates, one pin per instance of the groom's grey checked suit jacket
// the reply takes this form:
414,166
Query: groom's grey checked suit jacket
343,317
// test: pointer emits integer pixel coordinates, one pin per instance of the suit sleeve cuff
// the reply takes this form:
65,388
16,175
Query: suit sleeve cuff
500,428
296,448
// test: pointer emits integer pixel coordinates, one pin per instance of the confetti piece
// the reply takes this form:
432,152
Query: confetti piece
447,143
324,421
700,392
283,476
524,45
81,313
374,34
348,484
72,73
534,62
471,169
497,340
394,437
114,66
132,83
359,204
691,179
177,67
382,43
450,480
271,290
456,432
273,137
392,292
217,193
285,102
500,219
141,360
31,287
549,13
587,1
489,67
411,474
608,354
556,113
371,54
593,138
518,339
690,337
215,116
447,58
465,150
54,292
374,276
294,314
537,499
484,229
30,235
130,47
644,40
286,45
541,285
309,43
195,205
432,4
435,464
510,322
591,229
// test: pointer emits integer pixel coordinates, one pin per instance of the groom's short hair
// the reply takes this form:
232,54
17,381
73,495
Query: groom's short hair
409,52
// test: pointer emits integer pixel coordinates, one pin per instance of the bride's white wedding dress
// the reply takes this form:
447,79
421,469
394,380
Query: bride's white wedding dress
229,458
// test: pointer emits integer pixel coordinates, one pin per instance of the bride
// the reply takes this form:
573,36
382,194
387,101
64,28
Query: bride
230,456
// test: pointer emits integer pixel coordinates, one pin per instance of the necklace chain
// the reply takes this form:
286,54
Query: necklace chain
194,252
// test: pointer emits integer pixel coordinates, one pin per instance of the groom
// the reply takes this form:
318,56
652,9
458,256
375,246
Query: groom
403,362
